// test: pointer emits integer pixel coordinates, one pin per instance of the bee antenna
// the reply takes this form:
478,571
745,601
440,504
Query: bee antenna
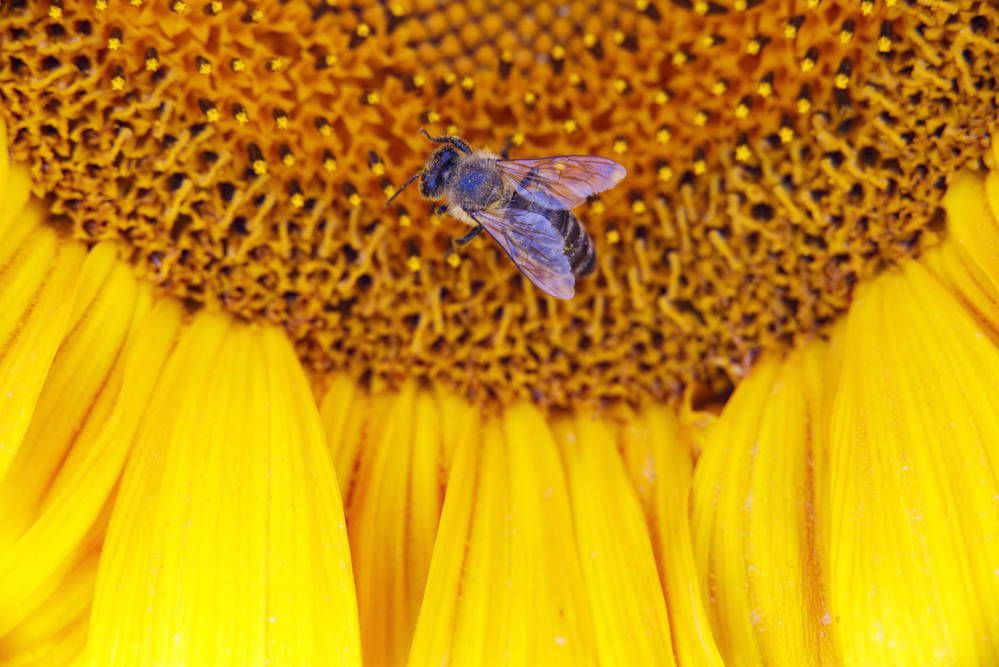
404,186
424,132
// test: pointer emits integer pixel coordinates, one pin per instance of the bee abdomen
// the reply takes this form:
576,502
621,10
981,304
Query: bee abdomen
579,248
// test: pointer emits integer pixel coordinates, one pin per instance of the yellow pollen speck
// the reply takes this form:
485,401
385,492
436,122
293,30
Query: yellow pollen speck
413,263
452,129
620,85
841,81
664,174
329,164
114,43
558,52
378,169
700,118
419,80
118,82
298,200
700,167
574,79
281,122
786,134
433,117
257,15
765,88
679,58
454,260
152,64
619,37
363,30
742,110
518,139
742,153
663,135
215,6
661,97
569,126
589,39
620,146
242,118
238,65
275,64
55,12
790,31
719,87
598,207
530,98
405,220
641,5
807,65
506,56
213,115
812,4
845,36
101,5
330,59
753,47
701,7
373,98
288,160
638,206
325,129
613,236
354,199
803,105
468,83
884,44
135,3
740,5
866,7
180,7
204,67
397,9
259,167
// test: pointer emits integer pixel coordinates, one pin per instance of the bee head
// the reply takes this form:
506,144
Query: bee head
437,172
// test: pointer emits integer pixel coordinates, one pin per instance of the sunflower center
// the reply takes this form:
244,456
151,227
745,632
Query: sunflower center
776,156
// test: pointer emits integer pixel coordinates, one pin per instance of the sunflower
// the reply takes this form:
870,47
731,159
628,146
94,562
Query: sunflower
250,416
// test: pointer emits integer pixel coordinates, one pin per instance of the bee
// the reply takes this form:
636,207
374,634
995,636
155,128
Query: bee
525,205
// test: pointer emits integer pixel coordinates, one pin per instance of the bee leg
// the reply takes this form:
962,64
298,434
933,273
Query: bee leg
467,238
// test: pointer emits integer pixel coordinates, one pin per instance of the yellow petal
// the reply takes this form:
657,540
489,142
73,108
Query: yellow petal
55,633
969,262
913,503
75,446
227,544
505,584
659,457
37,279
755,519
392,511
619,567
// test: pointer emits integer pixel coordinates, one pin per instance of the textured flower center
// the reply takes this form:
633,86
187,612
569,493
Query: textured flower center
777,155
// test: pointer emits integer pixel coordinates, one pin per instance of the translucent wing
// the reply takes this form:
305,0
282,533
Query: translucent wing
562,181
534,245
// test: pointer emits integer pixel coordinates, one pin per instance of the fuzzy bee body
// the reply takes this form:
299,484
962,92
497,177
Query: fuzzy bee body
525,205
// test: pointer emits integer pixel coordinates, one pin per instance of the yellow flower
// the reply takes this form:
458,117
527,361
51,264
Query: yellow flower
248,416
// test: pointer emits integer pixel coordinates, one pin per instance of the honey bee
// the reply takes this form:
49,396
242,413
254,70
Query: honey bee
525,205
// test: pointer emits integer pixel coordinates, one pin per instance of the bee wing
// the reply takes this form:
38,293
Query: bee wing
534,245
562,181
